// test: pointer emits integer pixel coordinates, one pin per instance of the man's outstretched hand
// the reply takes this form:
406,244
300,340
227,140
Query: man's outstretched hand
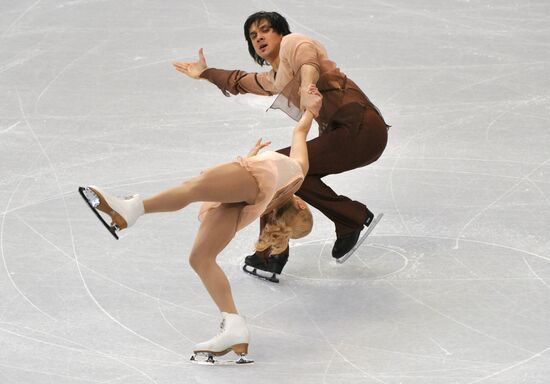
192,68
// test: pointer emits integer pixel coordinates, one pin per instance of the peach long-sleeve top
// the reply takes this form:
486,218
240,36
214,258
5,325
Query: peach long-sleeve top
343,101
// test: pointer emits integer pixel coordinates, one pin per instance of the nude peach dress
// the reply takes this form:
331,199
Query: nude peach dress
278,177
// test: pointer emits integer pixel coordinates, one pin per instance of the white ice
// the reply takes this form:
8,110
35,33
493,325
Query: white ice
453,286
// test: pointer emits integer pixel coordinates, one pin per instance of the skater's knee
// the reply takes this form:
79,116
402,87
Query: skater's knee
194,261
198,262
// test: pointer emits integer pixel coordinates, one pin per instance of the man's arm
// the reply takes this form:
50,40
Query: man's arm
239,82
309,75
229,82
303,57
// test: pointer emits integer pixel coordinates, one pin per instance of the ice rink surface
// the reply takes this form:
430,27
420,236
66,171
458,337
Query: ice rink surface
453,286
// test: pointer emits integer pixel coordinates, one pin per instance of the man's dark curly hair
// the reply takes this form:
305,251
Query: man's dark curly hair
278,23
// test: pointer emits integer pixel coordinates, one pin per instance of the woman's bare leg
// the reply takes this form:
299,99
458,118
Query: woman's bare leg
215,232
225,183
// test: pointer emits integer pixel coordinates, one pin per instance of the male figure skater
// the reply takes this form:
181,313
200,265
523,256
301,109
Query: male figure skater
352,132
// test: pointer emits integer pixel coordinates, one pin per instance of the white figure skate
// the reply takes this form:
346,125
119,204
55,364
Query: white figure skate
123,211
233,337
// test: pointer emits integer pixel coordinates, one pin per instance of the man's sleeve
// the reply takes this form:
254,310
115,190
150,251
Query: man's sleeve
300,50
238,82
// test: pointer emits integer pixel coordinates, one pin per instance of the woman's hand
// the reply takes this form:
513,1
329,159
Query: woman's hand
259,145
192,69
311,99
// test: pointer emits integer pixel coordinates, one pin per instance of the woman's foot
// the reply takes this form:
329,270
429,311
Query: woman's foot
123,211
233,337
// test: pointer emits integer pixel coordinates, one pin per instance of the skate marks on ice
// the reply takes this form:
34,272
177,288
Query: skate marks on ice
378,260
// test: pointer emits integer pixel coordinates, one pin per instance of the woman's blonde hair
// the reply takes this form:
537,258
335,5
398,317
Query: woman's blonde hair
292,220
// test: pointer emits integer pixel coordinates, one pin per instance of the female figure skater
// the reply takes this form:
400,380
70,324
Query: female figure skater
235,194
352,132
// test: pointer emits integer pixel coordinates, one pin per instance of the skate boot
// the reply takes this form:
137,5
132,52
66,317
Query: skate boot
273,265
233,337
346,245
123,211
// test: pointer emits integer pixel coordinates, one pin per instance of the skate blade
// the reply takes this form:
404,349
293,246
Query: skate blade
92,200
361,240
258,273
202,358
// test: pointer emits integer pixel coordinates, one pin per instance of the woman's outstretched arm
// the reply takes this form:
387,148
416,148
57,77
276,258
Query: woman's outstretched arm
298,149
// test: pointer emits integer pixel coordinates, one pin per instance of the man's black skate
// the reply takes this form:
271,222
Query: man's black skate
273,265
346,245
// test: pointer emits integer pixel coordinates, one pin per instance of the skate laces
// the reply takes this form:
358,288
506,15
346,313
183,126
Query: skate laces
222,326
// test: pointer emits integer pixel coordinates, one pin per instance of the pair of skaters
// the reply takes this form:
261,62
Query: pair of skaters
352,134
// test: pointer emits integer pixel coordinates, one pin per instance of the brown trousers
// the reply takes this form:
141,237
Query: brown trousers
335,151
